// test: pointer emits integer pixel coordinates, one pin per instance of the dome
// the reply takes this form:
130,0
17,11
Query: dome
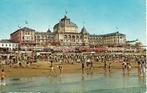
56,25
65,23
71,24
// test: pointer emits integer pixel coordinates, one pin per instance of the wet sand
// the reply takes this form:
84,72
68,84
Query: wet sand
43,68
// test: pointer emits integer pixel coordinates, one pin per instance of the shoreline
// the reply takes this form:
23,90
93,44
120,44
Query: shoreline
43,69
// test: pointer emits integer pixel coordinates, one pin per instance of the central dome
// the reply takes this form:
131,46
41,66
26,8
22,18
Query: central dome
65,25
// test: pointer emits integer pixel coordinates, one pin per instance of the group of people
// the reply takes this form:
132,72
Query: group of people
86,60
21,60
142,65
59,67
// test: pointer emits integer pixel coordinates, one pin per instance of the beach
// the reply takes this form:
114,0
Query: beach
43,68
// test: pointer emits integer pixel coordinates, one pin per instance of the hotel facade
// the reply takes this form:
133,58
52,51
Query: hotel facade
111,39
25,37
65,33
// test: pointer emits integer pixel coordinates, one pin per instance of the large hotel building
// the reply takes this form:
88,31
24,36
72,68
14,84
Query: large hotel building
65,33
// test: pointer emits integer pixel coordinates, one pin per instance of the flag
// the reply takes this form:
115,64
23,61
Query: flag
65,12
116,27
19,26
26,22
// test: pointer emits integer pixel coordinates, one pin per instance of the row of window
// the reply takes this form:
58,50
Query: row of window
77,40
27,38
8,45
41,40
104,38
95,38
69,36
38,37
28,33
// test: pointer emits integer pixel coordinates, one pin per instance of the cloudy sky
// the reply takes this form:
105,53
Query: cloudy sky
98,16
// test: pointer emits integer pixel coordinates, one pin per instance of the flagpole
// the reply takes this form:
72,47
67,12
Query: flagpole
26,23
65,12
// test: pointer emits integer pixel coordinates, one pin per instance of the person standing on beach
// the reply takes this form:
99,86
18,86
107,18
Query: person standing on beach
91,64
125,63
60,68
105,65
128,66
142,68
3,76
51,63
52,69
83,67
139,65
109,66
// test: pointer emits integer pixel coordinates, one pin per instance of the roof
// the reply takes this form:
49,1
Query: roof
84,31
48,31
110,34
66,23
65,18
68,33
115,33
26,28
7,41
56,25
43,33
22,29
40,32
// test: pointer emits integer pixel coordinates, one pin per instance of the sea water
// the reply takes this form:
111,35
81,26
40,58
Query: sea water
77,83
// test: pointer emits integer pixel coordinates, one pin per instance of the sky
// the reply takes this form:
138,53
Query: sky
98,16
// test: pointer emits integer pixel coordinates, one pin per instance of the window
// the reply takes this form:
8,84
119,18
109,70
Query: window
38,37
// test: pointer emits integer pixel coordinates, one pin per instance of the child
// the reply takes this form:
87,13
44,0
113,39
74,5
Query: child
3,75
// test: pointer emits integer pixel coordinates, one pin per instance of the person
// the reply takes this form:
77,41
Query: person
125,65
52,70
51,63
3,75
105,65
20,64
91,64
83,67
60,68
88,62
109,66
139,67
128,66
142,68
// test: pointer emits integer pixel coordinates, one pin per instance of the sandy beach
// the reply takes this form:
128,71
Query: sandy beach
43,68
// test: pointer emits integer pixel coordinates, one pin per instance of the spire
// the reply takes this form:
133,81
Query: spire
84,31
49,31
